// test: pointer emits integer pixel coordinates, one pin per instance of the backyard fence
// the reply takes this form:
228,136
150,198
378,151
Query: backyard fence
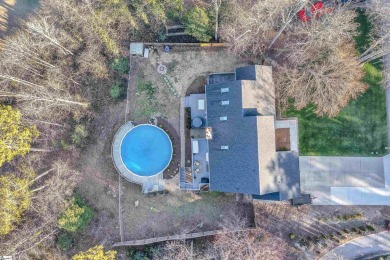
142,242
186,44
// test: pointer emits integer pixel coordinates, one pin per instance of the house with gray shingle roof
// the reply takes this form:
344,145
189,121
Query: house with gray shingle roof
238,152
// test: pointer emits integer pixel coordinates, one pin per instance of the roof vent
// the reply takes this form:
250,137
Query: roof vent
223,118
224,90
225,102
224,147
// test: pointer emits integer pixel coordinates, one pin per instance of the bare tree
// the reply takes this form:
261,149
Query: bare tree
35,236
253,244
41,27
217,5
252,27
379,12
287,17
40,86
317,59
179,250
319,64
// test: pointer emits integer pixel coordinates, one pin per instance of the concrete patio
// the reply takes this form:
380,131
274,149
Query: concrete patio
192,102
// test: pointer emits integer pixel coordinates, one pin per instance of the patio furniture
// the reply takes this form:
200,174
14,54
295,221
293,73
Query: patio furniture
196,163
197,170
197,122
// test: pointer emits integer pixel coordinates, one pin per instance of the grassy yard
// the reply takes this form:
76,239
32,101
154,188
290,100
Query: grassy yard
360,128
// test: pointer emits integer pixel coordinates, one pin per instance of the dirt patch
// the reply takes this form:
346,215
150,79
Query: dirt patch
99,186
186,73
317,229
177,213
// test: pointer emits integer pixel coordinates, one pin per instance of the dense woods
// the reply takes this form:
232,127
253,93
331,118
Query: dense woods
56,71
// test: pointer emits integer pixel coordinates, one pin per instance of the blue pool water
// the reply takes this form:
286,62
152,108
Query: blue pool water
146,150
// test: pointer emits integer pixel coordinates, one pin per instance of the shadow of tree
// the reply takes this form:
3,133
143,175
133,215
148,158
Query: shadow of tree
13,12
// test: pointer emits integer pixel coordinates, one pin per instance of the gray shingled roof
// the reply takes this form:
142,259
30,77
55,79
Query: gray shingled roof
251,164
231,169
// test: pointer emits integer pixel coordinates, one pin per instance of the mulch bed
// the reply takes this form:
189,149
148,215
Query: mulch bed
173,167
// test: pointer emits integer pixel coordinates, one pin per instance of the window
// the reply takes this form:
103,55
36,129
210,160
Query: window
224,90
224,147
225,102
223,118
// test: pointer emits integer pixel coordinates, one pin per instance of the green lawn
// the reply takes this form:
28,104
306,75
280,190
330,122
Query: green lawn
359,129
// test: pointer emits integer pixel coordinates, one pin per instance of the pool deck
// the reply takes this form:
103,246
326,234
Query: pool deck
149,184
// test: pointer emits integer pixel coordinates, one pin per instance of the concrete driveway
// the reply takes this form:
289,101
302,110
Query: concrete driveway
362,247
334,180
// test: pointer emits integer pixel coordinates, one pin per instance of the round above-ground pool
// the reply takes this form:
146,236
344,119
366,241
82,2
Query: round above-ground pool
146,150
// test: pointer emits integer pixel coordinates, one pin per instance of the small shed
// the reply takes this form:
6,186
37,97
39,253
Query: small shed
137,49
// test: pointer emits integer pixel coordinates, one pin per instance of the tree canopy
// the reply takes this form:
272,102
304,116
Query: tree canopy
198,24
320,64
15,197
15,136
76,216
95,253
